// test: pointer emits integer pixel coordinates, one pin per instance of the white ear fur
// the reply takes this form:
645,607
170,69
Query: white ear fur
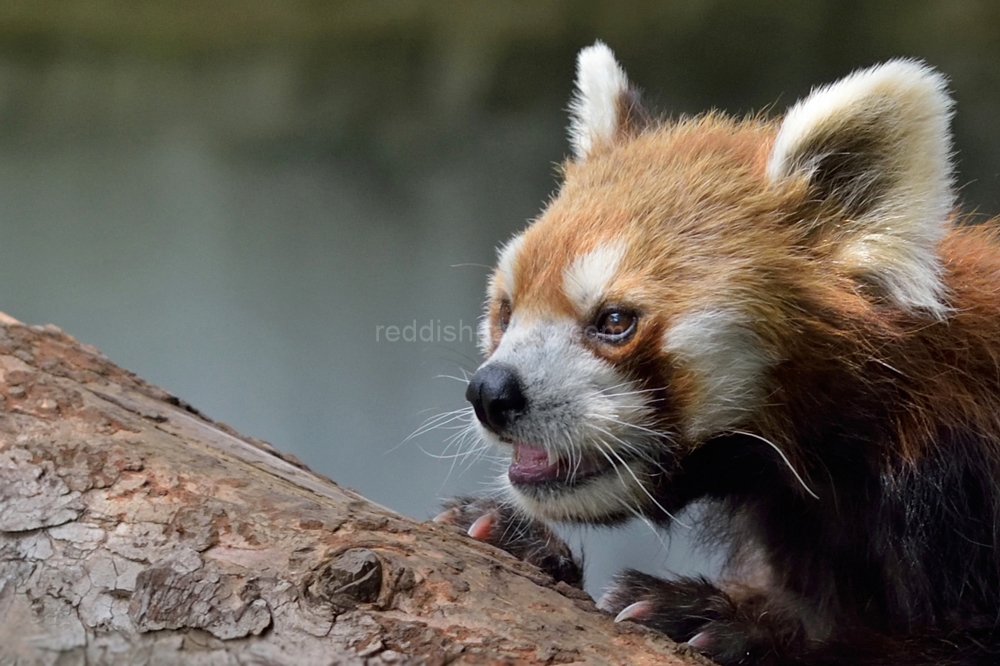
878,141
594,109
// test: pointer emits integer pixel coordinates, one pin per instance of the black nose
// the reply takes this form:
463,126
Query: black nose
496,394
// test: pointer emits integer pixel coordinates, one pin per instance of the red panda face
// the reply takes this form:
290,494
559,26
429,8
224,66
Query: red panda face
644,312
612,318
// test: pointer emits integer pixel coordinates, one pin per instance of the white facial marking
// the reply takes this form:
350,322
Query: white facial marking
579,406
904,107
726,355
611,493
587,280
485,338
594,108
506,256
501,285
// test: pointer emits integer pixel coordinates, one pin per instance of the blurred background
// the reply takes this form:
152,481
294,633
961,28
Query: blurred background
229,197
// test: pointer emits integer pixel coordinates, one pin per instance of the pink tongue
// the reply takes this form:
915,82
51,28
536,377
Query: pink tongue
530,464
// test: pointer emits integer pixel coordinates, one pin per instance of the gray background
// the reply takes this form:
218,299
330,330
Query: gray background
229,197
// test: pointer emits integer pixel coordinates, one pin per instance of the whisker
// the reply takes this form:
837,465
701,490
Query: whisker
469,264
657,433
464,380
640,484
648,523
783,457
438,421
634,449
448,456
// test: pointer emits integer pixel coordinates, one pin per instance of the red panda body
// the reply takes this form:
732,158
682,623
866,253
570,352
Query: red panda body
786,321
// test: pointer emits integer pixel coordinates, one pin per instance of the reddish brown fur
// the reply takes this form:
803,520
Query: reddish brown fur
890,414
704,177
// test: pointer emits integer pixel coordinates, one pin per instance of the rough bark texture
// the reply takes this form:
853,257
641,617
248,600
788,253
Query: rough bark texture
133,530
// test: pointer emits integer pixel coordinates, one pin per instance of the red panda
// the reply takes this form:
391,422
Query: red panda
787,320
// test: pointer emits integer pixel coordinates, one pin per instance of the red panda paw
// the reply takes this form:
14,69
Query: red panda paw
695,611
506,528
679,608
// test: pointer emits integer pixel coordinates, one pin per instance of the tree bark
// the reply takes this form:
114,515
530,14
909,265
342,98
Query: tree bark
133,530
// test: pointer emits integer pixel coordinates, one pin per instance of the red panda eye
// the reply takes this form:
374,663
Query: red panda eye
503,318
616,325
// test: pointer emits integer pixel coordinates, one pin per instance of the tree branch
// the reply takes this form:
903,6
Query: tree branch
134,530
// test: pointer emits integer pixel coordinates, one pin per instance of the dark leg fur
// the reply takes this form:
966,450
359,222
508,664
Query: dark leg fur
896,565
524,538
751,630
762,631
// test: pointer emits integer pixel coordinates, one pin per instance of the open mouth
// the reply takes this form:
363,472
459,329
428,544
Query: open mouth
532,465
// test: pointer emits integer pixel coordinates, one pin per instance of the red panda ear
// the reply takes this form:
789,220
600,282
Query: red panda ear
877,143
605,106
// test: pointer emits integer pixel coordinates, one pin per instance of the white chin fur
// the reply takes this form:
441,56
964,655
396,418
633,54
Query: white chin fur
579,405
616,494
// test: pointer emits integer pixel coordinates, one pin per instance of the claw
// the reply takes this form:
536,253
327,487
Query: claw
700,641
640,610
447,517
606,602
483,526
